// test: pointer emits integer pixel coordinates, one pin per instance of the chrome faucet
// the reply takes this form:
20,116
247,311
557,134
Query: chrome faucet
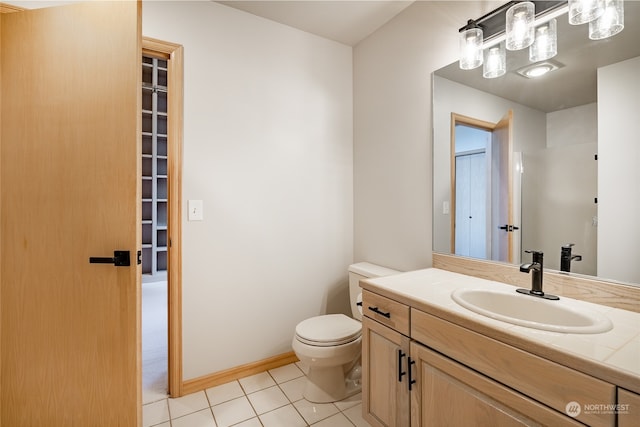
536,267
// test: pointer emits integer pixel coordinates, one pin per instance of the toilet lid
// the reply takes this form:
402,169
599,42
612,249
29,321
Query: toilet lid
328,330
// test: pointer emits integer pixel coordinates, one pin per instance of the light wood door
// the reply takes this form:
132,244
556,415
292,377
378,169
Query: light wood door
385,354
70,174
447,393
501,142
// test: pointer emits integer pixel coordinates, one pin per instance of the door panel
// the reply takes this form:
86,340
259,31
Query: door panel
70,174
501,140
386,400
471,205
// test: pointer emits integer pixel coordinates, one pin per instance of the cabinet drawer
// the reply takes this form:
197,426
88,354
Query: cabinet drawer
548,382
386,311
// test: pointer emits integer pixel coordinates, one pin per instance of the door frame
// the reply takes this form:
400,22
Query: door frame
174,54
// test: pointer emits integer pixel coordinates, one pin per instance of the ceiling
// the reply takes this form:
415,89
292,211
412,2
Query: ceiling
344,21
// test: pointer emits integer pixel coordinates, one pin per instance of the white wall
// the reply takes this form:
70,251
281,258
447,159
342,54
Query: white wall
577,125
619,171
561,181
392,126
268,131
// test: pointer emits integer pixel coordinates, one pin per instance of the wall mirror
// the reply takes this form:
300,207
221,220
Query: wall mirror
549,191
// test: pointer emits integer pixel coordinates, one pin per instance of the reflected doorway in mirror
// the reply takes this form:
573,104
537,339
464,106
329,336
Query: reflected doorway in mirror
481,187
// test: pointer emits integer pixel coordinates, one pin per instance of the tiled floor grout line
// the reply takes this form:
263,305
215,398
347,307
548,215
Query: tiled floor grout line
206,396
292,403
257,416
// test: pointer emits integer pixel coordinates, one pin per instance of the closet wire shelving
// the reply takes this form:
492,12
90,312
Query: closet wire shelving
154,169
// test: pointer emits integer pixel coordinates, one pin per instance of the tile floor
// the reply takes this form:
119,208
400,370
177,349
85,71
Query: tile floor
268,399
154,341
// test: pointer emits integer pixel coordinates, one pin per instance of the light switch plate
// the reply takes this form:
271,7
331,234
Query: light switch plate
195,210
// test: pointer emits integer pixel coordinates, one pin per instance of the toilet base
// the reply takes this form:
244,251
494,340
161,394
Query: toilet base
332,384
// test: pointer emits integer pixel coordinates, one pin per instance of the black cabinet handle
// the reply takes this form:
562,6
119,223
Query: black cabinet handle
401,355
409,365
119,259
381,313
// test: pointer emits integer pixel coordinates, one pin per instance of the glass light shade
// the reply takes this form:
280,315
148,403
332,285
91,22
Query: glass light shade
520,19
545,45
610,23
583,11
495,62
471,48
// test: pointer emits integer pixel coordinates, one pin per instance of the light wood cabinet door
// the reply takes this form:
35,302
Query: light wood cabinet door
385,355
629,408
524,372
447,393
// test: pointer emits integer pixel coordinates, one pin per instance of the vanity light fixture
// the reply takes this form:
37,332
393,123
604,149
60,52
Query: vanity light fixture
471,41
519,27
545,45
610,23
583,11
495,61
533,24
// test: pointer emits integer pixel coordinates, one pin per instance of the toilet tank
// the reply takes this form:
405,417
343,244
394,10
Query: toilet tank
363,270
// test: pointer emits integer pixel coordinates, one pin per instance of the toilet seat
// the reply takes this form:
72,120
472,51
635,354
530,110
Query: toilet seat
328,330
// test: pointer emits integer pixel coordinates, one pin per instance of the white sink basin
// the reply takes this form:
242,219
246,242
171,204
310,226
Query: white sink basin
524,310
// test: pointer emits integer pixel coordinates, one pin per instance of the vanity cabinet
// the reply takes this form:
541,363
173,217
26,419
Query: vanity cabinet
385,354
461,377
449,393
554,385
630,414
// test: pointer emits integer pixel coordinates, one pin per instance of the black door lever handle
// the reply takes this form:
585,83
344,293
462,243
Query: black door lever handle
120,259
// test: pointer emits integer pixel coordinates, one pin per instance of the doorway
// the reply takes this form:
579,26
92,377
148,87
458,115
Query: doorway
161,198
481,186
154,228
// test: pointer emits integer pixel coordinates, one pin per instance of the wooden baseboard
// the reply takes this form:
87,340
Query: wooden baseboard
222,377
593,290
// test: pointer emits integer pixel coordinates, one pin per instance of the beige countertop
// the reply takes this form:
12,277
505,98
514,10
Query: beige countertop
612,356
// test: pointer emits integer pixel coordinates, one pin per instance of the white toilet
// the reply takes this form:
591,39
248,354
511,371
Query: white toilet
331,345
